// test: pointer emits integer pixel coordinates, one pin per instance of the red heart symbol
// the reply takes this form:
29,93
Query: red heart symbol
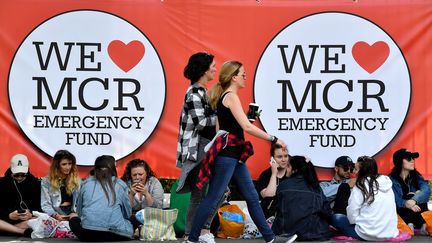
370,58
126,56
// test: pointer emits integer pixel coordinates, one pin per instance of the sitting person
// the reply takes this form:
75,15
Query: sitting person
20,197
302,208
343,168
371,212
145,190
103,205
266,185
59,189
410,189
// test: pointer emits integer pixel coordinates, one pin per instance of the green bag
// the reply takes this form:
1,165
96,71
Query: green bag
181,203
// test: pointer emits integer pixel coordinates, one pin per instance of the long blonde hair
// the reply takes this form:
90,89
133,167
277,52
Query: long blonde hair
72,180
228,70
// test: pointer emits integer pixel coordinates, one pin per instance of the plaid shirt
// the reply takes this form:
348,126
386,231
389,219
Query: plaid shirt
195,116
219,143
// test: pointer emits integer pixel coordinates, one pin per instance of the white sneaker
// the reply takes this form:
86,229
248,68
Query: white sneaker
207,238
291,239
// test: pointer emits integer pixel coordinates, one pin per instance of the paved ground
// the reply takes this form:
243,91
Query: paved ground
22,239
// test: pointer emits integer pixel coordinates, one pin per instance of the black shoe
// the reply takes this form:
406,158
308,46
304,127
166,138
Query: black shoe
27,232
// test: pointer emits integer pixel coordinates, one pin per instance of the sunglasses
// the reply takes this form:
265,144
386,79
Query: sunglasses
17,175
346,168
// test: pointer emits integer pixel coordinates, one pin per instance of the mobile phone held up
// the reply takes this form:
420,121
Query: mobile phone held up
21,211
272,160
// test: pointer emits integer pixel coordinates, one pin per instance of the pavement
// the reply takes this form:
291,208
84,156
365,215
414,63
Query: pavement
218,240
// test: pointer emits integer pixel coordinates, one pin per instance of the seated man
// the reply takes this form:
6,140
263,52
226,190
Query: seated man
344,166
21,195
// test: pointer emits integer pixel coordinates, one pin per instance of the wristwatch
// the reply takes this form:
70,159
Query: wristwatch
273,139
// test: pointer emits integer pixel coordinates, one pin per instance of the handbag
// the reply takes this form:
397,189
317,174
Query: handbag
157,224
232,221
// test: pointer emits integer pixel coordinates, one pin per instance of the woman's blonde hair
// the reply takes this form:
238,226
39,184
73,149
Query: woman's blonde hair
228,70
72,180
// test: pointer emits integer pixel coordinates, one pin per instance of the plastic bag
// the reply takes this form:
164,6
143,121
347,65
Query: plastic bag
44,226
427,216
232,225
403,227
250,230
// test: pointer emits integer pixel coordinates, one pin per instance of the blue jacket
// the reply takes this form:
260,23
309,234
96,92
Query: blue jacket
97,213
301,210
51,200
422,192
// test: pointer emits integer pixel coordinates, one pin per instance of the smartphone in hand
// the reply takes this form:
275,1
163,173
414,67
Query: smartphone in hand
20,211
272,160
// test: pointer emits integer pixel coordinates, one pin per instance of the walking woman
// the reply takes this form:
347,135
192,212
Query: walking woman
371,212
228,153
103,205
197,128
59,190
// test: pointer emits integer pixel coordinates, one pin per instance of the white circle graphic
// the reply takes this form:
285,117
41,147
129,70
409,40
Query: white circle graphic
333,84
89,82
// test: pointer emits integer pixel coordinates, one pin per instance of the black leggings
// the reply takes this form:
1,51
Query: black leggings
93,235
412,217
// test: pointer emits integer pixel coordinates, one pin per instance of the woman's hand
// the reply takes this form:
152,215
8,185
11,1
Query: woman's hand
274,166
415,208
61,217
139,188
281,143
410,204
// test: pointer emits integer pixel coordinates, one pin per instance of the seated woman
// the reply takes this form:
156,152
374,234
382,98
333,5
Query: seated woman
410,189
145,188
302,208
103,205
59,190
371,212
279,170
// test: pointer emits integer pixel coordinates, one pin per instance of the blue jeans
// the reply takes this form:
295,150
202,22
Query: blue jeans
225,169
341,222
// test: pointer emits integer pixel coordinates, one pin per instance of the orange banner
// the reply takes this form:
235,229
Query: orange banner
332,77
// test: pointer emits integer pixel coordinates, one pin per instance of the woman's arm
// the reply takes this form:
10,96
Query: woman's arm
156,193
197,110
45,196
232,101
270,190
354,204
397,191
422,195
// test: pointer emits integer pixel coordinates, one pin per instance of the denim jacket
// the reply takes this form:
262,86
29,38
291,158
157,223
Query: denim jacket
421,194
97,213
51,200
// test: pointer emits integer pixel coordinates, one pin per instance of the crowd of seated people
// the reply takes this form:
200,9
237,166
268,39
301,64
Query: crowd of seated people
366,204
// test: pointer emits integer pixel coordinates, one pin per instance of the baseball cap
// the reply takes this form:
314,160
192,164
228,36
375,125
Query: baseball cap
343,161
404,153
19,164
